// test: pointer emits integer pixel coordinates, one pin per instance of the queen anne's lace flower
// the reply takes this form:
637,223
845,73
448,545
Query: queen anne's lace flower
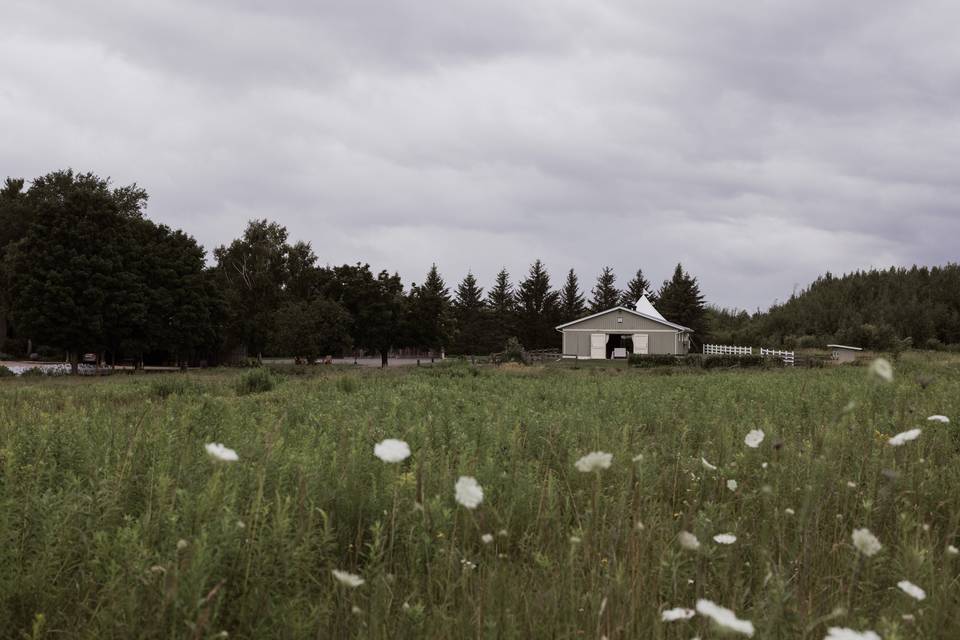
865,542
219,452
594,461
468,492
391,450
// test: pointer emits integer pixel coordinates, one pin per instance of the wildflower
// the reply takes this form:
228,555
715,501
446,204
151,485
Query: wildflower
754,438
764,465
636,458
906,436
347,579
952,550
882,369
707,465
725,538
502,533
865,542
182,544
219,452
943,419
789,511
732,484
575,540
843,633
355,610
487,538
594,461
468,492
391,450
851,484
912,590
724,617
689,541
678,613
908,617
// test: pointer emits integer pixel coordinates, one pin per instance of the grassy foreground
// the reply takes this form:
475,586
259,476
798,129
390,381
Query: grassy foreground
114,522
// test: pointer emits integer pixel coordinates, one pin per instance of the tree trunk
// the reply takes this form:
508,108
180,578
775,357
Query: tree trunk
74,362
383,358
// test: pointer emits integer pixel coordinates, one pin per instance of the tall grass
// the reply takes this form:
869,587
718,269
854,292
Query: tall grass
115,523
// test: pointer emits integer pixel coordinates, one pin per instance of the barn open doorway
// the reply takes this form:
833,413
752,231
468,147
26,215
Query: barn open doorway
619,346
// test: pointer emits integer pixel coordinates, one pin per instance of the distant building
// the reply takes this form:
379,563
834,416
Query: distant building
619,331
843,353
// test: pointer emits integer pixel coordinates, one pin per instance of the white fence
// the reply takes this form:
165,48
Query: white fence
730,350
726,350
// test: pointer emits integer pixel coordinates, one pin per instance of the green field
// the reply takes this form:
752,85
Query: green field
115,523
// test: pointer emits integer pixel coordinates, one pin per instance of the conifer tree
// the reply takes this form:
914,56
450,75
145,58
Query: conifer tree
605,293
501,310
537,309
430,319
469,317
572,303
636,288
680,301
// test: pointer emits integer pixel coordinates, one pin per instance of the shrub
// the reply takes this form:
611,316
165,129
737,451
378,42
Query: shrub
513,351
728,361
347,384
6,373
33,372
174,386
255,381
655,360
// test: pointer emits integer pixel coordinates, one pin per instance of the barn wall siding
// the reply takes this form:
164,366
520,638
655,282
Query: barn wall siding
577,343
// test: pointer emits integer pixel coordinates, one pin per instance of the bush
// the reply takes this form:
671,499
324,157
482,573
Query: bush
513,351
728,361
255,381
6,373
174,386
653,360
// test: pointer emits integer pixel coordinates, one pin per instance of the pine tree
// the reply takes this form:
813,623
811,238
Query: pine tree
431,322
681,302
572,304
537,309
605,293
469,317
502,312
636,288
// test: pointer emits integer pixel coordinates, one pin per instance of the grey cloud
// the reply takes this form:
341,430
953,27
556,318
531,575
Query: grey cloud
761,146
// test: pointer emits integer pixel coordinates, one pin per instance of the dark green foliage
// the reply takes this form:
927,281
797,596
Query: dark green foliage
310,329
377,307
728,361
653,360
572,303
537,309
471,318
605,293
347,384
429,313
513,351
502,308
6,373
636,288
174,385
680,301
255,381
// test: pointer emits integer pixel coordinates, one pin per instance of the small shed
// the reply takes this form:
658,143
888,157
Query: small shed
620,331
843,353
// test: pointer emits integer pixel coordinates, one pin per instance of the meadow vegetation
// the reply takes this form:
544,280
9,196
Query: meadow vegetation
116,523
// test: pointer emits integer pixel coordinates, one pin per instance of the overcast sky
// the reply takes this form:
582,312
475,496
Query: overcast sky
758,143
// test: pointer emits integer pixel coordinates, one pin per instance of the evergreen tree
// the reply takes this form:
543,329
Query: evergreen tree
572,303
430,319
636,288
502,310
538,309
470,317
605,293
681,302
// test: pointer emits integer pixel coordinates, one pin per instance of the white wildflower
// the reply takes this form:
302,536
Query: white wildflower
391,450
725,538
594,461
347,579
487,538
355,610
688,541
843,633
575,540
851,484
732,484
912,590
724,617
882,369
468,492
182,544
952,550
678,613
636,458
906,436
943,419
789,511
219,452
707,465
865,542
754,438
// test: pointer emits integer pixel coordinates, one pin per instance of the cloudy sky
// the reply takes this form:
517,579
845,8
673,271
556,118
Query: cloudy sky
758,143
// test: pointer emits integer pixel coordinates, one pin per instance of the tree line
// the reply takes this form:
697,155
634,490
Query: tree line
872,309
83,270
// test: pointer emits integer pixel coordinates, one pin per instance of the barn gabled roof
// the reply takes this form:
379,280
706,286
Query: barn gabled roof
657,318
